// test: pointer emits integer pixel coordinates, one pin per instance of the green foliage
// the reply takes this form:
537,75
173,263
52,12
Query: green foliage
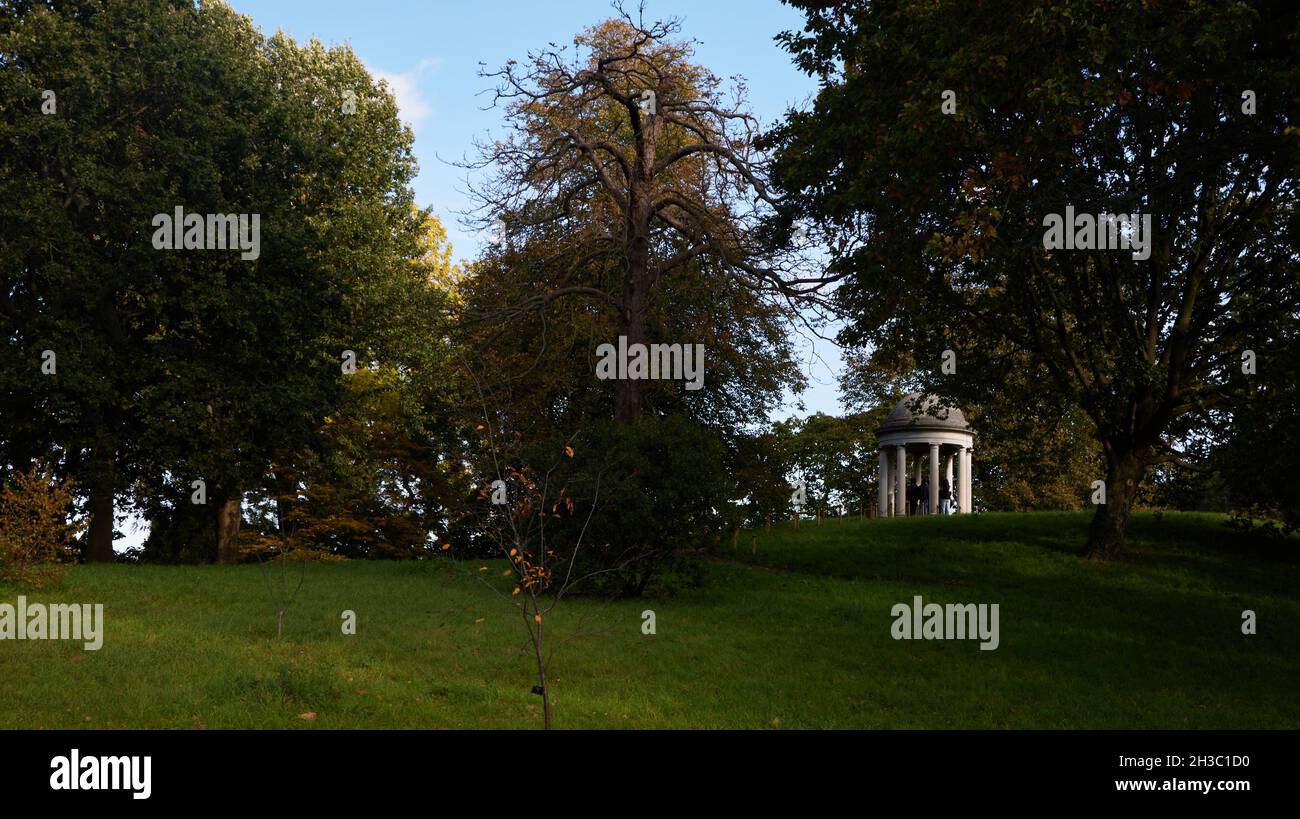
836,458
35,530
379,487
1262,432
175,366
1121,107
1034,458
644,497
543,360
760,468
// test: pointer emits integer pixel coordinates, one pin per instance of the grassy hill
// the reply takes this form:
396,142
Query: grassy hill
796,636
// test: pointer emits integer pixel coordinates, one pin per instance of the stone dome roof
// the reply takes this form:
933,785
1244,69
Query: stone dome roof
933,415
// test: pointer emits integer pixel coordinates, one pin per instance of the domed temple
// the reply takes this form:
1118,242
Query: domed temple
924,429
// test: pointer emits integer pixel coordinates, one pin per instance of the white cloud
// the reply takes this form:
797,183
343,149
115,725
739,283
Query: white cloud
412,104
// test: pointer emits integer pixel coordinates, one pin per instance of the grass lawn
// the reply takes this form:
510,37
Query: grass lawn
797,636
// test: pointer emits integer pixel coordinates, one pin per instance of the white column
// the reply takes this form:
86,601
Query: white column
952,487
934,479
884,482
889,505
965,506
970,482
900,491
957,494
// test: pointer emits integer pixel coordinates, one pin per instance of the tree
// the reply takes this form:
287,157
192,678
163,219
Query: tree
73,185
1250,446
342,242
833,458
761,476
1181,112
623,218
625,166
176,366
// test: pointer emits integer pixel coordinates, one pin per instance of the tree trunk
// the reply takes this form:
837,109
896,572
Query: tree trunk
543,688
636,295
228,518
99,540
165,527
627,391
627,400
1106,534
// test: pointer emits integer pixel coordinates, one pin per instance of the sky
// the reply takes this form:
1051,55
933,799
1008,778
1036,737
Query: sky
430,51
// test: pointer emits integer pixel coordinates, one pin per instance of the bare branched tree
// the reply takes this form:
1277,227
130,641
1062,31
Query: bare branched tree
625,161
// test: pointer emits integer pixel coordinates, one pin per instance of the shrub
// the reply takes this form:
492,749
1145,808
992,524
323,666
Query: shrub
35,532
661,486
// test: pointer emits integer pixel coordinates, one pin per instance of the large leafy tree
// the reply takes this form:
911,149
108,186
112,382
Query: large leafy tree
101,134
1183,111
177,366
